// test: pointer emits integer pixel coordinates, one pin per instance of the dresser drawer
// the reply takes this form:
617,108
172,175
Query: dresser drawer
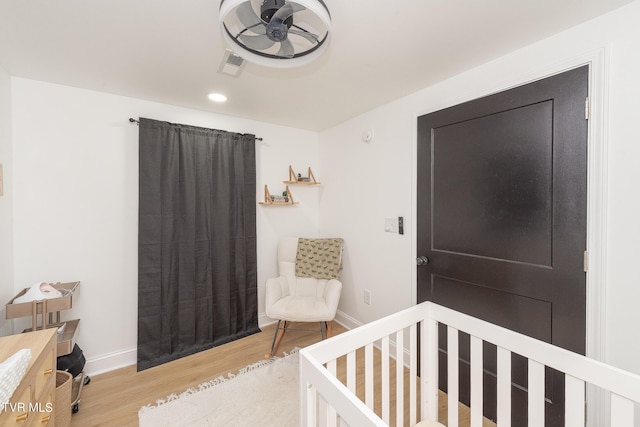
18,409
43,415
45,372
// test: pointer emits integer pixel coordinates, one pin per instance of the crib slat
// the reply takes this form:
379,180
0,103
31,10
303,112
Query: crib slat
504,388
574,400
384,353
413,374
429,360
351,371
453,375
536,394
368,375
331,367
621,411
476,382
312,405
332,416
399,378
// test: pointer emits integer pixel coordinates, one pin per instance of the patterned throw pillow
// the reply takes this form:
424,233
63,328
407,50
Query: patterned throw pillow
319,258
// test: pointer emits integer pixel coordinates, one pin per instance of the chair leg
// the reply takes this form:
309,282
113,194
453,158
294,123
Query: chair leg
277,337
322,328
329,329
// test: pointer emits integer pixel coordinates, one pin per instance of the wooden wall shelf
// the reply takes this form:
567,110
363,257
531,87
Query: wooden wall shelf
310,179
294,179
269,200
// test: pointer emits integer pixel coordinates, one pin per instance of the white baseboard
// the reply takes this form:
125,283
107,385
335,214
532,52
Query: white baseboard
346,320
111,361
263,320
120,359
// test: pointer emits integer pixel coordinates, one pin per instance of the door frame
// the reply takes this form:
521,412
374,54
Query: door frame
597,193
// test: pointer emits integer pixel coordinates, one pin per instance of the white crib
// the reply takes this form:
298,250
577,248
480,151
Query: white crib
328,394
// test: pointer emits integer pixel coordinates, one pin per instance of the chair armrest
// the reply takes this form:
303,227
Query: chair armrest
332,295
276,289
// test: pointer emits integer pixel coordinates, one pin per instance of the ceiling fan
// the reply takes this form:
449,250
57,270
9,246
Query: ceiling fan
276,33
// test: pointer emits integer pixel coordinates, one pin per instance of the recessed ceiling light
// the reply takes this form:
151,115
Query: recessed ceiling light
217,97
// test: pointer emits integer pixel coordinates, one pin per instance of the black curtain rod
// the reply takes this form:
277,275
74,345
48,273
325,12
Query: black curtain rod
132,120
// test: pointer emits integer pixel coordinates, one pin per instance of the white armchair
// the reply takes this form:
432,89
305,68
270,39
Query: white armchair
299,299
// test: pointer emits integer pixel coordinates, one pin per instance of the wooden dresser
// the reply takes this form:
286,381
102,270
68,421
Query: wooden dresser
32,402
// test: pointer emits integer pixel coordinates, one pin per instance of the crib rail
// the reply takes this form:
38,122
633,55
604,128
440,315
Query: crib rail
327,400
318,373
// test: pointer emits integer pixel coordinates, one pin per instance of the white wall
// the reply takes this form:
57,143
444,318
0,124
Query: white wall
367,182
75,164
6,203
364,183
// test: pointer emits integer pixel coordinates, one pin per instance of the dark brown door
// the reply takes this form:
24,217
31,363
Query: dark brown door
502,202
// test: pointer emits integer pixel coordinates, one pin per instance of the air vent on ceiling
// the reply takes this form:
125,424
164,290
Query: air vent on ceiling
231,64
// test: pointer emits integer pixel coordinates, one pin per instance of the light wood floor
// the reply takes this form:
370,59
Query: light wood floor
114,398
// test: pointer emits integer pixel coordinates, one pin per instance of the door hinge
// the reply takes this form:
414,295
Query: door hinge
585,261
586,108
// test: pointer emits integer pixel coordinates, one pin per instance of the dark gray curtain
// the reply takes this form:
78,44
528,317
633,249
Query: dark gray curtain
197,285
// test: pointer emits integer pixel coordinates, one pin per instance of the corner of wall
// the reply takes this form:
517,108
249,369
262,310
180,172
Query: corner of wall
6,201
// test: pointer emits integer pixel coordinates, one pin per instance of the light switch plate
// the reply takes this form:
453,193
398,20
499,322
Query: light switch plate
391,225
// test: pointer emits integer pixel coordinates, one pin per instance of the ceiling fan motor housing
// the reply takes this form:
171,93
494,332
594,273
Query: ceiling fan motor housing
276,27
270,7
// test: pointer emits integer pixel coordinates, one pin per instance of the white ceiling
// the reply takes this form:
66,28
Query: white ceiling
169,51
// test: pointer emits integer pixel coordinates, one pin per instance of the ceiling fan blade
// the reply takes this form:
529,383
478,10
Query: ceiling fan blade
249,19
297,7
283,13
256,42
307,35
286,49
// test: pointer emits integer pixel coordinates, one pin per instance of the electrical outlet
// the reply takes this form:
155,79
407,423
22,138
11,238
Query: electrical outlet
367,296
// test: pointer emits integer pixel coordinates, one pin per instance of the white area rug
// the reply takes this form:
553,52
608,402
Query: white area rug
262,394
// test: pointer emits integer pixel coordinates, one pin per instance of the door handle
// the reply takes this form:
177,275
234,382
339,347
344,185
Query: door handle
422,260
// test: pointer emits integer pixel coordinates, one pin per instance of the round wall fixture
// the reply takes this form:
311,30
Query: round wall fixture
367,135
276,33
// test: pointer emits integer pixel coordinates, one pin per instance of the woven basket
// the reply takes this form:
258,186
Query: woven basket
63,399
